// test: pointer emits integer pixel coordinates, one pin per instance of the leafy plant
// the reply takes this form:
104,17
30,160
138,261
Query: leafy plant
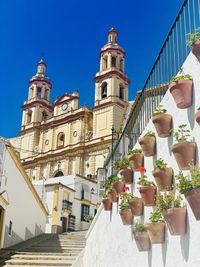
88,218
195,176
139,227
193,37
142,181
149,133
159,110
198,109
160,164
182,134
121,164
103,194
156,216
125,197
168,201
181,77
135,151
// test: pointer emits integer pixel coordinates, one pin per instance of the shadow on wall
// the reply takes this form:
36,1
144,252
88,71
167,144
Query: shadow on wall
191,112
38,230
164,247
28,234
185,242
10,240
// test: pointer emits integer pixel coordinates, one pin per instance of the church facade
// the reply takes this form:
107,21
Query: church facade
61,138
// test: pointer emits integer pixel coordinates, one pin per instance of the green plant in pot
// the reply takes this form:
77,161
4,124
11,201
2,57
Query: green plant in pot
156,228
141,236
174,214
136,158
124,169
181,88
190,187
136,205
117,184
193,40
147,191
184,150
162,121
88,218
163,175
107,204
148,144
125,211
112,194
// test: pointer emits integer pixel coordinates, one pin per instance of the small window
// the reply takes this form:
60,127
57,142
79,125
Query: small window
29,116
121,92
46,95
85,210
44,115
113,62
59,174
105,63
104,90
39,92
10,228
121,64
60,140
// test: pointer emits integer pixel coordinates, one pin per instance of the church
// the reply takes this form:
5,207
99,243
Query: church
60,138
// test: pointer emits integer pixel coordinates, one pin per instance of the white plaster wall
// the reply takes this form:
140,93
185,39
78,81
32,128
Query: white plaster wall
110,243
23,210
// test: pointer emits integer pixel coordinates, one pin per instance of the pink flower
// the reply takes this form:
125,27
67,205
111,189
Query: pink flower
126,188
142,169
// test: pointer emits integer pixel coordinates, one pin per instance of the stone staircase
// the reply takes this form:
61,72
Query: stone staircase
57,250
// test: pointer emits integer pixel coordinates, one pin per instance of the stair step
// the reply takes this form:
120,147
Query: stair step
39,262
42,257
46,253
57,245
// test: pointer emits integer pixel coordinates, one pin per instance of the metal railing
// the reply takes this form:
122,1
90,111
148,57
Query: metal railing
167,64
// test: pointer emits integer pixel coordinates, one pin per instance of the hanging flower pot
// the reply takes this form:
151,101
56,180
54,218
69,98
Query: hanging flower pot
147,191
107,204
136,159
136,206
193,198
141,236
126,175
184,151
148,144
196,49
126,216
156,232
197,116
163,175
162,121
118,186
112,195
181,89
176,220
193,40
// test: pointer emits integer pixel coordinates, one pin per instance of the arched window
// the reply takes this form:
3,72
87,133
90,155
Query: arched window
113,62
44,115
39,92
121,64
121,92
60,140
104,90
29,116
46,94
105,63
58,174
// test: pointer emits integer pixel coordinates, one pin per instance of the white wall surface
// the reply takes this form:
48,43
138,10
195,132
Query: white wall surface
27,217
110,243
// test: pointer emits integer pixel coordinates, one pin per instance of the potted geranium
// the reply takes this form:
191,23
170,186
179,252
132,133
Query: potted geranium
181,88
136,158
136,205
141,236
107,204
125,211
112,194
156,228
174,214
163,175
162,121
197,116
190,187
124,169
147,191
148,144
184,151
193,40
117,184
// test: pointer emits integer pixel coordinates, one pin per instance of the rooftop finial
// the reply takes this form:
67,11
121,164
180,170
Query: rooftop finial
112,35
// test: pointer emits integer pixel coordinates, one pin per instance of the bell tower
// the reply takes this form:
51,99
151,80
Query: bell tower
111,87
38,107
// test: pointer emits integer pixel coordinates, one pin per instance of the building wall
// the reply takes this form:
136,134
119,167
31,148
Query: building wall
111,244
22,202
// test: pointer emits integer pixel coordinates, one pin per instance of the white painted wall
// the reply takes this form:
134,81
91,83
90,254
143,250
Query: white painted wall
110,244
22,204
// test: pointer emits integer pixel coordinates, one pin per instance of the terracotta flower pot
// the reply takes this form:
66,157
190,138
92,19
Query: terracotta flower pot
107,204
136,206
148,145
185,154
126,216
136,160
118,186
197,117
156,231
163,124
163,178
148,194
196,49
176,220
142,241
182,93
112,195
127,176
193,198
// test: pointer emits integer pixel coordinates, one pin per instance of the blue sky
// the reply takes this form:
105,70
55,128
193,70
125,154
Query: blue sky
71,33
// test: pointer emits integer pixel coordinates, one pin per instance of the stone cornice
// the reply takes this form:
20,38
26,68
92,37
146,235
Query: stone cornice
111,73
35,102
111,49
108,104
